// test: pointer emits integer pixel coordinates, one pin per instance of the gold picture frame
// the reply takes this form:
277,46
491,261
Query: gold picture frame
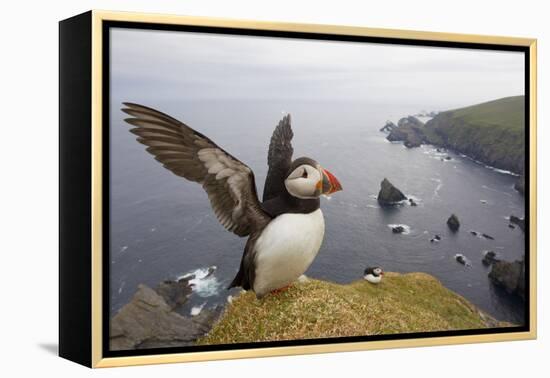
85,271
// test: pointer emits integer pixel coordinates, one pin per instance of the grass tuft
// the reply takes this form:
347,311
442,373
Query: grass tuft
402,303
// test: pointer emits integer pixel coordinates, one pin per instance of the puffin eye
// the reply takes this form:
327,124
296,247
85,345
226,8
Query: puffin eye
304,174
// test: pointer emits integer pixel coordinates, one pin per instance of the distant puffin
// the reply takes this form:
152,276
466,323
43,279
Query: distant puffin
285,230
374,274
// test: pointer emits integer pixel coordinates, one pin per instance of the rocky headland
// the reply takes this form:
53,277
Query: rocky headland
492,133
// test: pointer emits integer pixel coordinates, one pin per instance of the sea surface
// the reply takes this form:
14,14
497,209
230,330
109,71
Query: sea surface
162,227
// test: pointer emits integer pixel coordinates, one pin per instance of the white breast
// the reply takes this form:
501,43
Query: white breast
286,248
373,279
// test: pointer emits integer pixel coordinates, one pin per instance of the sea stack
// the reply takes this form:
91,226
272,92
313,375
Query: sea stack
389,194
453,223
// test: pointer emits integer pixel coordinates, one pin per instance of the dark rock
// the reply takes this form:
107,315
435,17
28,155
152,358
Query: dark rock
520,185
409,130
148,321
436,238
411,201
389,194
520,222
511,226
489,258
486,236
175,293
474,233
398,229
453,223
461,259
510,276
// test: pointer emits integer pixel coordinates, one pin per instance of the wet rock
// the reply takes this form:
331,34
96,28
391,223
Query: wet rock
489,258
487,236
398,229
510,276
436,238
461,259
520,222
453,223
389,194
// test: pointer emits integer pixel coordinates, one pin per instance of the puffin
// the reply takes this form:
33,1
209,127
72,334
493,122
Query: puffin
373,274
285,230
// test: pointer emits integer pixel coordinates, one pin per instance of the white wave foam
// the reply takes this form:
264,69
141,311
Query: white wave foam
406,227
196,310
438,187
205,284
121,287
503,171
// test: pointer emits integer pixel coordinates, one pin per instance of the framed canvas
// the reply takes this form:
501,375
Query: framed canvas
235,189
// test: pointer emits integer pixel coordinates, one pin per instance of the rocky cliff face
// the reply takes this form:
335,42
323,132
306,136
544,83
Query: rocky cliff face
151,319
492,133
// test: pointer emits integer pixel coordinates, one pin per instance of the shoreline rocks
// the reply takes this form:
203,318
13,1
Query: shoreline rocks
389,195
151,319
489,258
408,130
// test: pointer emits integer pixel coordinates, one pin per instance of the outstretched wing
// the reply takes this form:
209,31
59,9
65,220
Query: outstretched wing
228,182
279,159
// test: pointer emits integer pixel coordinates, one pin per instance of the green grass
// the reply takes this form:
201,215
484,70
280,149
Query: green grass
505,113
492,132
414,302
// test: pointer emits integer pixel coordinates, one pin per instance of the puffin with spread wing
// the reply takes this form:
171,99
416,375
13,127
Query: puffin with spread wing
285,231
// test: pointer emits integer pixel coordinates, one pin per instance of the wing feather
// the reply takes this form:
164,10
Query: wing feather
279,159
228,182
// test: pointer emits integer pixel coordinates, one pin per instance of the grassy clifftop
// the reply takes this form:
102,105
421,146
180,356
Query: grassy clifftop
492,132
402,303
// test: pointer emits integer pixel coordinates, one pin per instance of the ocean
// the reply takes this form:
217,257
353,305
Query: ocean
162,226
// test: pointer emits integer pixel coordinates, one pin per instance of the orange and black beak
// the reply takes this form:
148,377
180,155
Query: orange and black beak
330,183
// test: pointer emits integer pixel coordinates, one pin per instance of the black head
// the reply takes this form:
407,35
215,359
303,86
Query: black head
375,271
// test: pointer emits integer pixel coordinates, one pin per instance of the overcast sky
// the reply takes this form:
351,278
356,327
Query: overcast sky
176,66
